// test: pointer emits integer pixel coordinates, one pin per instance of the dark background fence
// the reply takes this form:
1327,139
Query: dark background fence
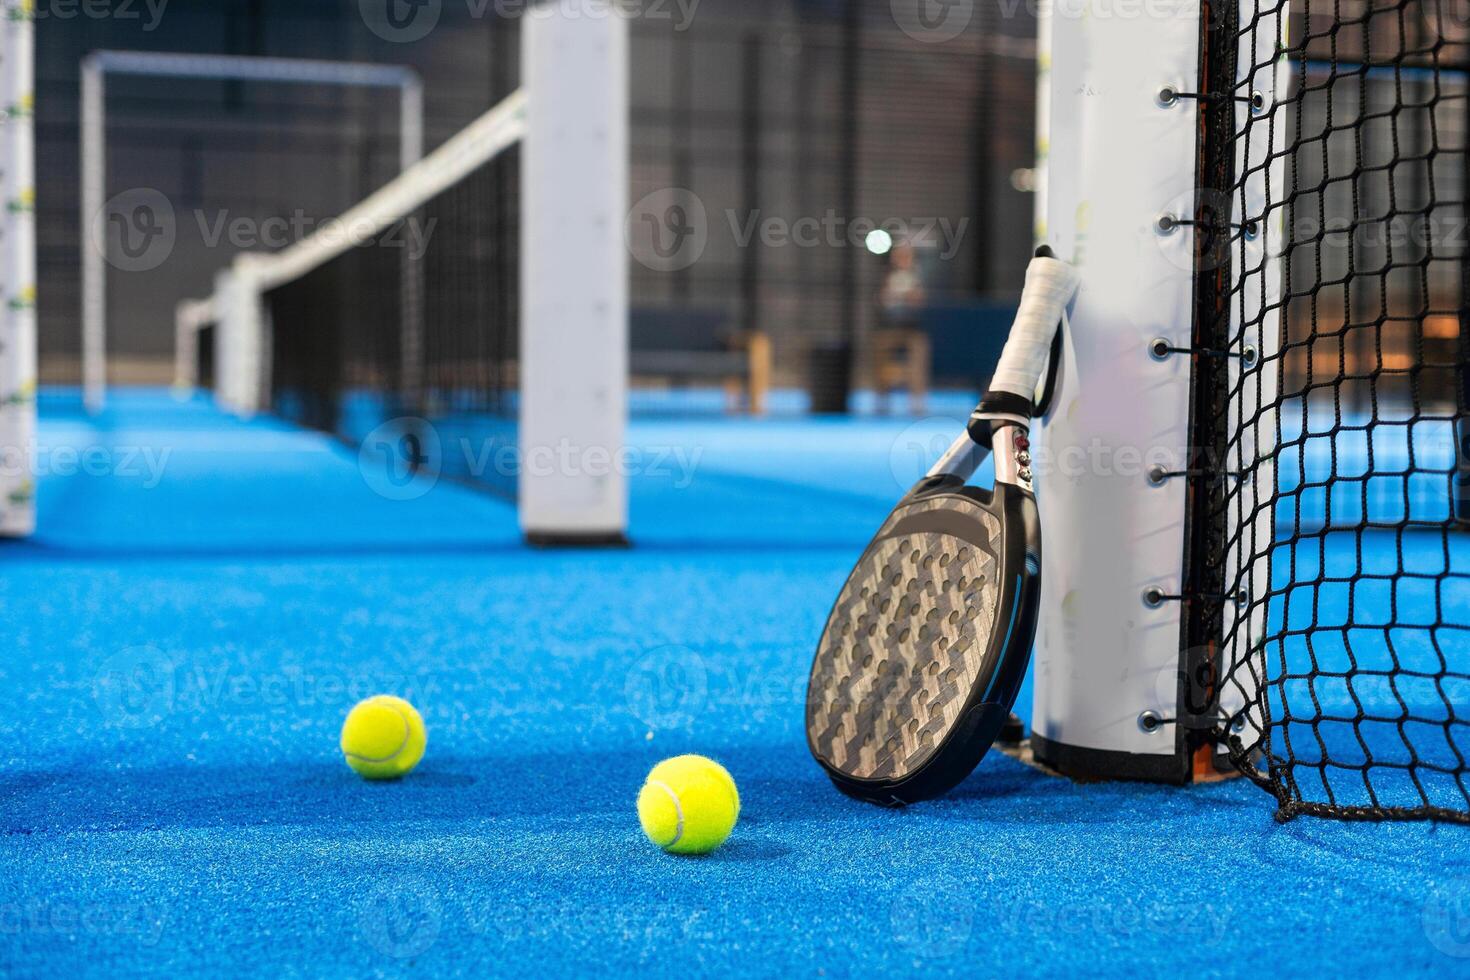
773,113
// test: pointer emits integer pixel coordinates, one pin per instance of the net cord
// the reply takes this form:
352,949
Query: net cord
484,139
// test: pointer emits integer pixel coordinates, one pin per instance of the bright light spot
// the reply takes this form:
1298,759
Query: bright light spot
879,241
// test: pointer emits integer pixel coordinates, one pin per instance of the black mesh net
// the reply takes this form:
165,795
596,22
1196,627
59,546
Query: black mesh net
204,356
1330,405
416,322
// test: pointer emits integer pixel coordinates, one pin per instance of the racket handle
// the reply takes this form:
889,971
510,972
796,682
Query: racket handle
1050,286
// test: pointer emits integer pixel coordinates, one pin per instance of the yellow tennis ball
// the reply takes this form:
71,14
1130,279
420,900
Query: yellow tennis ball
383,737
688,805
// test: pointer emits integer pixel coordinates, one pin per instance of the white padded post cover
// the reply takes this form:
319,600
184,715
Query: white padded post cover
1117,160
17,275
574,271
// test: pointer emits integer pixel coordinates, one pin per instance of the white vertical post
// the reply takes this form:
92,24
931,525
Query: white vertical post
94,237
574,274
411,267
410,121
1119,158
186,348
18,275
239,341
191,316
250,371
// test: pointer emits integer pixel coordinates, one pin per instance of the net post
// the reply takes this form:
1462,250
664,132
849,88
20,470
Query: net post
194,362
410,120
574,275
228,300
240,342
94,235
411,270
186,348
18,327
1107,653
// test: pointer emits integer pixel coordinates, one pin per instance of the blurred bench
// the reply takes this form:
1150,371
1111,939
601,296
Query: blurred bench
901,363
684,346
956,343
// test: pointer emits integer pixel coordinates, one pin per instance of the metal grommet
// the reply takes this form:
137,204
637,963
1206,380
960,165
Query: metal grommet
1149,722
1258,102
1237,724
1158,349
1166,224
1168,96
1250,230
1157,475
1242,598
1249,355
1153,597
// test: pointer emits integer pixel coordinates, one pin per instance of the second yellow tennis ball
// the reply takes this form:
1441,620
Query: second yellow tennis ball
688,805
383,737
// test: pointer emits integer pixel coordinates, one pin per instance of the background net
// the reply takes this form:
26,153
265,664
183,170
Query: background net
417,320
204,357
780,111
1330,499
838,115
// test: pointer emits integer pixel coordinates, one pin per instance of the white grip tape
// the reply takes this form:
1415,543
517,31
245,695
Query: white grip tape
1050,284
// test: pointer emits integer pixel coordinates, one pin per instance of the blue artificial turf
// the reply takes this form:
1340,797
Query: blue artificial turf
184,646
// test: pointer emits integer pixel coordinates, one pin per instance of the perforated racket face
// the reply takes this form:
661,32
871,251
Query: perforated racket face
906,641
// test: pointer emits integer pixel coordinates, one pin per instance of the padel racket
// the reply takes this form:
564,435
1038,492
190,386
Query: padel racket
928,641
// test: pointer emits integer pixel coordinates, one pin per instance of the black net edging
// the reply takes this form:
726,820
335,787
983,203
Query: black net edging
1333,529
